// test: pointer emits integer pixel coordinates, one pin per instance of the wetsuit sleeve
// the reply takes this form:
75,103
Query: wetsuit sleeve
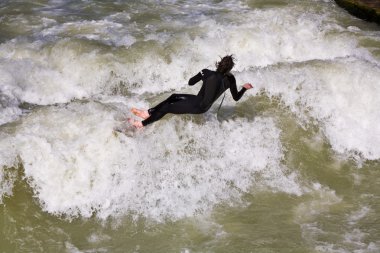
195,78
200,76
234,92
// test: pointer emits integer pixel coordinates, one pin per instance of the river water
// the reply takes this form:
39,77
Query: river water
292,167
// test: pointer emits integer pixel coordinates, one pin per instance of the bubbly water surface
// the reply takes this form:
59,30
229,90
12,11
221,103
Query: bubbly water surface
291,167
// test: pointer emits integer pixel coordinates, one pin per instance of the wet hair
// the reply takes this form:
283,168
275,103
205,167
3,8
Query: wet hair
225,64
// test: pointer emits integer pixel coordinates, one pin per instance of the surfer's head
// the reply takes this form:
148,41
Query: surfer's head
225,64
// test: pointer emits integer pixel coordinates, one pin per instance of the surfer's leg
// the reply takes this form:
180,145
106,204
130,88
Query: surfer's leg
187,104
176,103
155,115
145,114
156,112
174,98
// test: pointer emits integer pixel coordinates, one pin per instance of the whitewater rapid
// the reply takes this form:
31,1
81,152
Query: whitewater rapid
67,84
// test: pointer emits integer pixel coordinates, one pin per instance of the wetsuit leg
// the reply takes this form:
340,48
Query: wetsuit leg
177,104
170,100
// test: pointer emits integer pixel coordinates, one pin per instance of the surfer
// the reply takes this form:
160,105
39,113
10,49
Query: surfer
215,83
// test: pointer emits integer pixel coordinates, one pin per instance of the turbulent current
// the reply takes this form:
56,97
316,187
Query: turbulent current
291,167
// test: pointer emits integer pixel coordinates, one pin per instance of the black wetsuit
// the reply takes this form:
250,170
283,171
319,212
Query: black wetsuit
214,84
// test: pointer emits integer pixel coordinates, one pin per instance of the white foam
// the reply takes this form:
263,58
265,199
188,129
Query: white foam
349,238
8,159
9,110
9,114
330,248
43,75
56,68
339,96
323,199
78,166
7,181
257,37
358,215
98,237
107,32
25,24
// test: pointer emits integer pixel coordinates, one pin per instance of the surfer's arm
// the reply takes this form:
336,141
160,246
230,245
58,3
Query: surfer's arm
234,92
200,76
195,79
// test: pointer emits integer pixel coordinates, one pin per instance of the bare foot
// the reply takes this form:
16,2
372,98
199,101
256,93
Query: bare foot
140,113
137,124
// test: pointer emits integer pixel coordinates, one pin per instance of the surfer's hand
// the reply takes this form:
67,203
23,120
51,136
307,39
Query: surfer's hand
248,86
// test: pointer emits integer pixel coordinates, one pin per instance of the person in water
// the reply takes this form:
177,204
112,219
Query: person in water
215,83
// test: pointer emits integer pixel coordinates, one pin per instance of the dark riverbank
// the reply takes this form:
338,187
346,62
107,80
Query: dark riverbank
365,9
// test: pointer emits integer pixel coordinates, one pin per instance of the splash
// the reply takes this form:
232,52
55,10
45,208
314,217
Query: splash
77,165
